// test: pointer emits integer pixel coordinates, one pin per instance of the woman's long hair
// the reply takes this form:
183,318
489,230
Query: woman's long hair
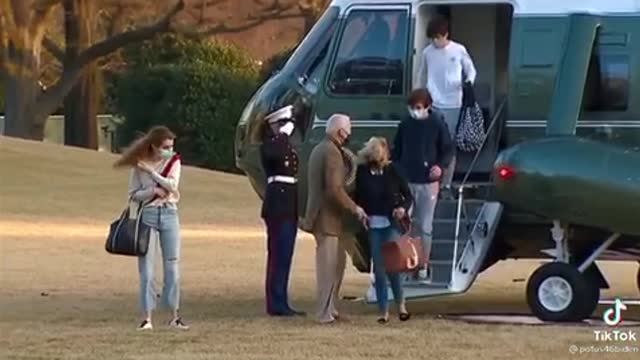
142,147
375,151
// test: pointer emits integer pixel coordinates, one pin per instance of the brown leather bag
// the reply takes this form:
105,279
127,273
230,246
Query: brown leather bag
404,254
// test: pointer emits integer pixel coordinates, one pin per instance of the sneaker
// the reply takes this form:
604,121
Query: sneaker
145,325
424,276
178,324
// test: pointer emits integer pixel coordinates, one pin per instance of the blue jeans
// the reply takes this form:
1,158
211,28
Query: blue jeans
451,117
166,224
281,238
425,197
377,237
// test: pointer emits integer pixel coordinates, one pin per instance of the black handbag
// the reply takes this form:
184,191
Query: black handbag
129,235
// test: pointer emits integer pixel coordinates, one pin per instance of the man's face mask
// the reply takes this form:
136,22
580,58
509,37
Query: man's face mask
440,41
345,137
419,112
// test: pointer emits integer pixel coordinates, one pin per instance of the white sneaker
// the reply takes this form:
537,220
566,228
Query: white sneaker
178,324
424,276
145,325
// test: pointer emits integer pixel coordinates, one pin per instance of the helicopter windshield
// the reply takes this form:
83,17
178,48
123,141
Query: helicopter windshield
312,43
370,58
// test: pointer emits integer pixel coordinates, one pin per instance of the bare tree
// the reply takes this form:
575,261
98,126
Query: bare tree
23,24
308,10
80,24
22,31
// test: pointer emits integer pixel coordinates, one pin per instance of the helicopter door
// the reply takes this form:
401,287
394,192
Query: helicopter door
537,44
369,73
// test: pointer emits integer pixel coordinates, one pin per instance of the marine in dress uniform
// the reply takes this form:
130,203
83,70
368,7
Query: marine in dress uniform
280,208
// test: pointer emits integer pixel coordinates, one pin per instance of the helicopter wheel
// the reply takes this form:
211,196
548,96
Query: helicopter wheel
559,292
593,298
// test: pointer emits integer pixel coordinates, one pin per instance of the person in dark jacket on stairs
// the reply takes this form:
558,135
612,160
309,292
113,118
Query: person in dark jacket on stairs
422,148
385,197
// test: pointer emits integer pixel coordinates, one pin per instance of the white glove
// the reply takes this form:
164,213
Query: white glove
287,128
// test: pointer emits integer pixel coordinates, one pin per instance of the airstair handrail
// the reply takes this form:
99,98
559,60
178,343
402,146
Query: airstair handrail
454,261
462,186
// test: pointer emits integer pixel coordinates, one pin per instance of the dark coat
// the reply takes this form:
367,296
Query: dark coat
279,158
381,193
421,144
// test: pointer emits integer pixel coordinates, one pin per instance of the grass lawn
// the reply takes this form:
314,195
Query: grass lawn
63,297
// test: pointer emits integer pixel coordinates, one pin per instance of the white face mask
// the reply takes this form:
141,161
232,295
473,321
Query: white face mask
287,128
440,42
419,114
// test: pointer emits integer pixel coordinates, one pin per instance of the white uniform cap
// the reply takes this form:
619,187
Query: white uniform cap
282,113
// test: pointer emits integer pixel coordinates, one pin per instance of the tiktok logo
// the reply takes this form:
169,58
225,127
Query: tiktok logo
613,316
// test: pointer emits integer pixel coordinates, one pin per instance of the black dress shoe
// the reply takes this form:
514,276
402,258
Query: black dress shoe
279,313
287,313
297,313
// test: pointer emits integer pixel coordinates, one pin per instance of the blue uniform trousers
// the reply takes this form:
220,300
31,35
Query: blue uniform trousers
281,237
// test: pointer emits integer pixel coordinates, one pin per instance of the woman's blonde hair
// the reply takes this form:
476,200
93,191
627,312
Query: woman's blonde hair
376,151
142,147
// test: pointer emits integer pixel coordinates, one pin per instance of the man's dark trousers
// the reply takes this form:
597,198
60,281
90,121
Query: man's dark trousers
281,237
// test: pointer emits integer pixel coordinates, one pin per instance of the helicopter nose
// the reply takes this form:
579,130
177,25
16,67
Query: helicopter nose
240,141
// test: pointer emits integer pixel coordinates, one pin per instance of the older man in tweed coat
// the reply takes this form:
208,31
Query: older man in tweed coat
327,201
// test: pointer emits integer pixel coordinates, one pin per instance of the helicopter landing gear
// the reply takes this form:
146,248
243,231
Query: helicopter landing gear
560,291
559,236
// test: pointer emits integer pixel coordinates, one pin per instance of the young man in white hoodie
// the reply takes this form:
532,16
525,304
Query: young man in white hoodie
443,64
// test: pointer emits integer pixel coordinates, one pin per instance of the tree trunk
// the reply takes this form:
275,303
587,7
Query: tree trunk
81,110
81,104
21,93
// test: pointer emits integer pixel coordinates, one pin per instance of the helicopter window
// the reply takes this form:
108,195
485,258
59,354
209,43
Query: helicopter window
372,54
607,86
319,36
311,76
315,60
